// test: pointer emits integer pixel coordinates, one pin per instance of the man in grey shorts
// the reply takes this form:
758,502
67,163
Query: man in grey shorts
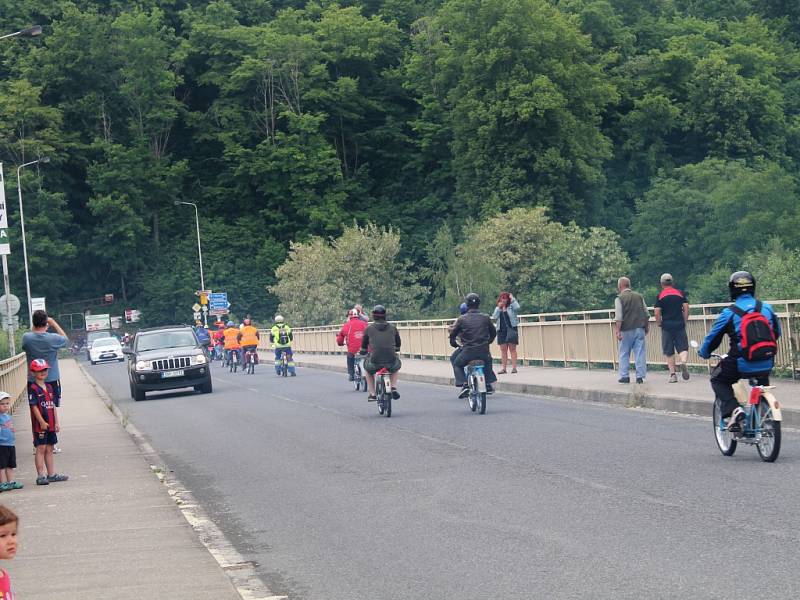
672,313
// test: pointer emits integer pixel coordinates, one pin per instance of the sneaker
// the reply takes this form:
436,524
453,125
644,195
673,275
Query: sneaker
395,394
639,380
624,380
673,378
15,485
503,372
685,371
737,416
464,391
57,477
56,450
42,480
513,370
371,398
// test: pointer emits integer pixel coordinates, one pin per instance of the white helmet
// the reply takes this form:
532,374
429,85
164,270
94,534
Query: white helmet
278,319
4,396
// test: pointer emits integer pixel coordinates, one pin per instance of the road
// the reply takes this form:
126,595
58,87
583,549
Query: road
539,498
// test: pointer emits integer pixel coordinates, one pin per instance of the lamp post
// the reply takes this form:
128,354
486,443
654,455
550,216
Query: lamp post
31,31
43,160
199,250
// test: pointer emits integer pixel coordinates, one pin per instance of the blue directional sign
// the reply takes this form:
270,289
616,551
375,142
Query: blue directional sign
218,301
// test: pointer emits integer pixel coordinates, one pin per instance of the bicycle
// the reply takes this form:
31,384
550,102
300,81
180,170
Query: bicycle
219,354
233,360
761,426
284,364
250,361
477,386
383,392
359,380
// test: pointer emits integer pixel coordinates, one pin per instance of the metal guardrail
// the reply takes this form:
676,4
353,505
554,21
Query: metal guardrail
583,338
14,377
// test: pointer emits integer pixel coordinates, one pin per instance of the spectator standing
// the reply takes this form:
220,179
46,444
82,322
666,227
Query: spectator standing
351,333
672,314
8,451
39,343
44,423
505,313
632,323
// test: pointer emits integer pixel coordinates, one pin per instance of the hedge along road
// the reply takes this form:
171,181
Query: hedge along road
539,498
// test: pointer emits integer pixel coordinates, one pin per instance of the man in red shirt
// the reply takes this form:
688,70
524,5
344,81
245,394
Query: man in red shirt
672,313
352,332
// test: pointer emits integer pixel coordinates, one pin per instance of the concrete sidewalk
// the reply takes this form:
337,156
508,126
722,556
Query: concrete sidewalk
112,530
595,385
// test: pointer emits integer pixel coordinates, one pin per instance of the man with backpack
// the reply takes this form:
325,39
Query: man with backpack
281,337
753,329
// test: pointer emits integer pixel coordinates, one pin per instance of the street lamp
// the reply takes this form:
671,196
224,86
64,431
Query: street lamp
43,160
199,251
31,31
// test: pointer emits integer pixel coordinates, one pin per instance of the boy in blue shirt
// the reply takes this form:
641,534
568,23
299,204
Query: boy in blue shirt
8,453
736,366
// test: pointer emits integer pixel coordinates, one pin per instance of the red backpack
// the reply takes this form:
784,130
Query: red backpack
756,336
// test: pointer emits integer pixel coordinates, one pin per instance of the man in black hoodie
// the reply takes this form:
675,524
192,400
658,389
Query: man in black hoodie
476,331
382,341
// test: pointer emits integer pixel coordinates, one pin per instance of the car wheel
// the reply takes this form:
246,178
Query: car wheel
137,393
207,387
91,361
120,359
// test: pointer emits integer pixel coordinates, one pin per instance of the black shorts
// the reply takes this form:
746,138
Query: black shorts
8,457
372,368
673,341
45,438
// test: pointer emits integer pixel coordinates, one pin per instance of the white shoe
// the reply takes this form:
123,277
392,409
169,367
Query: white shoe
56,450
737,416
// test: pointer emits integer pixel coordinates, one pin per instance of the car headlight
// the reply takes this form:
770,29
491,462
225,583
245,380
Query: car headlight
200,359
142,366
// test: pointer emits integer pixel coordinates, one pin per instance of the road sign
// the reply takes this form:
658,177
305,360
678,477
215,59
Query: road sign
5,246
97,322
218,301
218,312
204,294
15,304
3,210
195,307
37,304
198,316
131,315
205,308
14,322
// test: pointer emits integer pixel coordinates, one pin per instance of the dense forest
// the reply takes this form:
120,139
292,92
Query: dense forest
543,145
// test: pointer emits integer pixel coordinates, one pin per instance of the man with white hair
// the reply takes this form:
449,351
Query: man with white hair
632,325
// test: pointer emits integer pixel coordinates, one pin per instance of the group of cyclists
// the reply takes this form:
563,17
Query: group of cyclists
230,342
379,342
751,325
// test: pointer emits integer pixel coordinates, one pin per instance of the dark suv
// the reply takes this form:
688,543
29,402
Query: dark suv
167,358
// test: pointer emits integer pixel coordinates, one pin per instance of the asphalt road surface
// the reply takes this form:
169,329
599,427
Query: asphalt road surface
539,498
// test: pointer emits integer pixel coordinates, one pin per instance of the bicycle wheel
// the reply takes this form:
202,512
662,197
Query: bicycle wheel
725,441
472,398
482,403
379,393
284,368
357,378
387,404
770,445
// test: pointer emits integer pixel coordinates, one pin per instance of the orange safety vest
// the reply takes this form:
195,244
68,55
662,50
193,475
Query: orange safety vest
231,343
249,336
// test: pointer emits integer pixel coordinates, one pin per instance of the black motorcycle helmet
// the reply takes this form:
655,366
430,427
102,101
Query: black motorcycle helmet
740,283
472,300
379,311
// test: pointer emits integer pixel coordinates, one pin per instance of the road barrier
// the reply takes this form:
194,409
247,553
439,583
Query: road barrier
14,377
584,338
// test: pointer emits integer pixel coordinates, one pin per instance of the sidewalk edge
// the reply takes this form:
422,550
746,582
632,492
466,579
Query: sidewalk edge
239,571
628,399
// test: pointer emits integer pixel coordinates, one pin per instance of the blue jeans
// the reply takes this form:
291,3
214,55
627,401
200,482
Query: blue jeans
632,341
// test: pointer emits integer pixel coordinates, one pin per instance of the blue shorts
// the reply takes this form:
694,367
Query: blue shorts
45,438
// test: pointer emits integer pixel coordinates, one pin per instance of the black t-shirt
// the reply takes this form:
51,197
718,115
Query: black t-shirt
671,301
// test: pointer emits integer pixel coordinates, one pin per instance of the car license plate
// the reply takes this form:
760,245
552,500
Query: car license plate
166,374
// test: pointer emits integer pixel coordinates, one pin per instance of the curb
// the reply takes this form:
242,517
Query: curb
240,572
631,399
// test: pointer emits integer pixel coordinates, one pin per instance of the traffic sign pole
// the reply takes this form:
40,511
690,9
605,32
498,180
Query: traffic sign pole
4,223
